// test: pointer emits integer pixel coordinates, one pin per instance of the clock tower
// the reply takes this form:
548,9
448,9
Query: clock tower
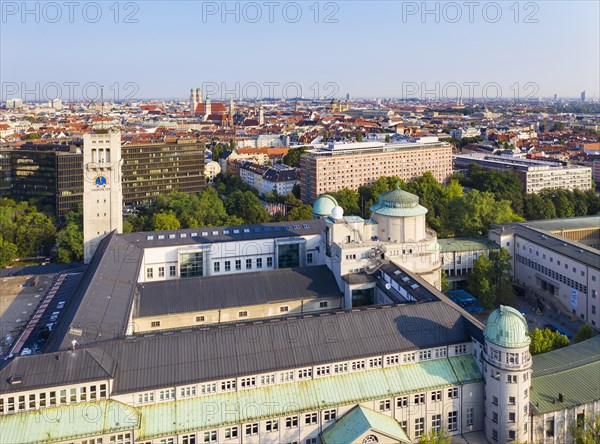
102,190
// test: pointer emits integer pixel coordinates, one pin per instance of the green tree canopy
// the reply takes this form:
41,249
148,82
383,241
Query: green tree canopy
8,252
479,281
247,207
348,200
165,221
35,234
433,437
584,332
292,158
546,340
70,244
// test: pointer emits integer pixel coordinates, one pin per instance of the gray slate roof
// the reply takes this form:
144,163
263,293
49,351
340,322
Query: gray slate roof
208,354
235,290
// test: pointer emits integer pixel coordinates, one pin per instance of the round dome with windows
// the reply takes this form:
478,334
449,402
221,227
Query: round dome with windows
507,327
398,203
323,206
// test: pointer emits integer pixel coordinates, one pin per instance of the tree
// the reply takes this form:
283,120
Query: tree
433,437
247,207
35,234
586,431
359,136
479,283
546,340
445,282
473,213
584,332
348,200
70,244
303,212
165,221
8,252
538,208
292,158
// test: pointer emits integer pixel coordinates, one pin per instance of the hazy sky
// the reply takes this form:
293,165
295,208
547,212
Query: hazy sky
269,48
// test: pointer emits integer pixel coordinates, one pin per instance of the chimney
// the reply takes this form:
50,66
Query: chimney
561,397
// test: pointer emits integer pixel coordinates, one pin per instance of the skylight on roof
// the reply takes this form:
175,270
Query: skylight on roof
236,231
171,236
267,229
205,233
161,236
215,233
246,230
183,235
287,227
296,227
150,238
277,228
194,234
306,225
225,231
257,229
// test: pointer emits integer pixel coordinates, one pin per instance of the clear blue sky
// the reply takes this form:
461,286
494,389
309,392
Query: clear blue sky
376,48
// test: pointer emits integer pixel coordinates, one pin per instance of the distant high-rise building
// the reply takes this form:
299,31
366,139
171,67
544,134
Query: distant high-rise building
555,97
347,96
350,165
582,96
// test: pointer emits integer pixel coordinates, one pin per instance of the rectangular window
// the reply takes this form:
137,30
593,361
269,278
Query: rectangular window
291,422
436,422
419,426
511,400
402,402
210,436
419,398
495,400
227,265
243,314
272,425
329,415
495,434
495,417
217,267
385,405
248,264
191,264
31,402
511,416
323,304
149,272
288,256
310,418
248,382
259,262
269,262
200,318
82,394
63,396
188,439
453,421
453,392
305,373
155,324
161,272
512,435
470,415
309,258
206,389
102,390
436,396
284,309
231,432
172,270
238,264
550,428
252,429
228,386
73,395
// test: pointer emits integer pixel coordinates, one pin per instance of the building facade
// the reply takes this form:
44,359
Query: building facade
52,174
350,165
558,261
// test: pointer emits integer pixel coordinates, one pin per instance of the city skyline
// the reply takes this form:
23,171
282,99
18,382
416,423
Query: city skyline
522,51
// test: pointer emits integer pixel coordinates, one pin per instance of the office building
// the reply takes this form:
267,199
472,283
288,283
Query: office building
535,175
265,179
52,174
350,165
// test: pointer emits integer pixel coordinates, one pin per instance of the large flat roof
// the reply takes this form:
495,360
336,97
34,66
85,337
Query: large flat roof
234,290
167,359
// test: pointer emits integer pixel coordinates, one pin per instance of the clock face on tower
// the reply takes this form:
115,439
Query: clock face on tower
101,181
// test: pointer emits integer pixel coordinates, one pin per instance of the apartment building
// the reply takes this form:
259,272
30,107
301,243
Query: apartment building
350,165
264,179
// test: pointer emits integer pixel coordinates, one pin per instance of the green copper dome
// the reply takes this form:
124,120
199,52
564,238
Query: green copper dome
507,327
398,203
324,205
